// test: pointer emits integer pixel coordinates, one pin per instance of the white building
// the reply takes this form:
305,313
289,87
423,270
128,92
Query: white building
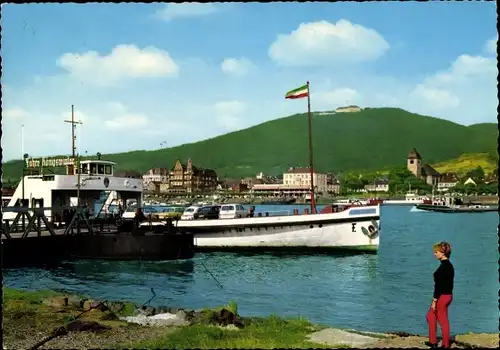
380,185
447,181
302,177
157,175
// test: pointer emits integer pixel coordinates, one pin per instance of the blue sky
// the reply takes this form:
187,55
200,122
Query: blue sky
142,74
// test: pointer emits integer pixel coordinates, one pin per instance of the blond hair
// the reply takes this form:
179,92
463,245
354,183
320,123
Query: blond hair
443,247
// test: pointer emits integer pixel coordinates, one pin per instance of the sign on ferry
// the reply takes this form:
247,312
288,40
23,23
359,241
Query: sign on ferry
48,162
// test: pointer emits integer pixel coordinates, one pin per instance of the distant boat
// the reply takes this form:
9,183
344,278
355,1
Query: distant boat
450,204
411,198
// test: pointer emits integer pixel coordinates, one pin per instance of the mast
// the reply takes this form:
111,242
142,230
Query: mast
73,128
313,199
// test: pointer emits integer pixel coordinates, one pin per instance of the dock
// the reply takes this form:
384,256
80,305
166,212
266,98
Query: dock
31,238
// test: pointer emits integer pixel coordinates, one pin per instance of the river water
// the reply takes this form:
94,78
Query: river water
389,291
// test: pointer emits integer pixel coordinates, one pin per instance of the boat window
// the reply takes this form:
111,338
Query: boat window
85,168
100,169
107,169
93,169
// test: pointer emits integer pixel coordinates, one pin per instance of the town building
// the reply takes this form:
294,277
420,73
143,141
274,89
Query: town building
156,174
152,187
186,179
447,181
379,185
469,181
332,184
348,109
422,171
131,174
302,177
250,181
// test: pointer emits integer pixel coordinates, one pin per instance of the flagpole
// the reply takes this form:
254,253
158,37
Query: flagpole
313,199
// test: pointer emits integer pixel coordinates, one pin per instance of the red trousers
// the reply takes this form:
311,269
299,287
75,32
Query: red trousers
440,315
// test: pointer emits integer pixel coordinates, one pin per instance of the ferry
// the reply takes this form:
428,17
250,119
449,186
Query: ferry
92,184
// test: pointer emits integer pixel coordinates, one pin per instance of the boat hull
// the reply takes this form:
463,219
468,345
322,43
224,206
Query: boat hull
341,231
18,252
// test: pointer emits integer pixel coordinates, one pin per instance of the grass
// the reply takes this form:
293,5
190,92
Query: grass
26,314
372,139
27,319
467,162
266,333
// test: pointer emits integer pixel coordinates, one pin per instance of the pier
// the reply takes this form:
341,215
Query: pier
32,239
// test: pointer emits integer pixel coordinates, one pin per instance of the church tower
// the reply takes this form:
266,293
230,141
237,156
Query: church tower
414,163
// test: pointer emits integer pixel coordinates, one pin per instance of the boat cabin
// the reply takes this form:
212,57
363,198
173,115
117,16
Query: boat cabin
92,167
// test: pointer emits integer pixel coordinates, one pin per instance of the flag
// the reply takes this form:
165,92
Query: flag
300,92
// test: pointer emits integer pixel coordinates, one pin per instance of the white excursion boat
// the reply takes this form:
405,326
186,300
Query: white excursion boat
340,227
93,184
353,228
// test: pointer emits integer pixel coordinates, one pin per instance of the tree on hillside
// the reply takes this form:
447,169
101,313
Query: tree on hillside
458,188
470,189
477,174
398,179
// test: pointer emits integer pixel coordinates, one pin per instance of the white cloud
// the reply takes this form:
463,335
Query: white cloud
237,66
464,68
323,43
336,98
436,98
14,113
228,114
491,46
466,92
185,10
127,121
124,61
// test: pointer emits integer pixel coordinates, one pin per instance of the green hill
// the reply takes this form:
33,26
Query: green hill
371,139
466,162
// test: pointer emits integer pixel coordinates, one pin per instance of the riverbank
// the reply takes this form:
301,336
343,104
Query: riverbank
63,321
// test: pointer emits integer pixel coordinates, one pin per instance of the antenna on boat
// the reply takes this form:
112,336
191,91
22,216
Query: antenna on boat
73,128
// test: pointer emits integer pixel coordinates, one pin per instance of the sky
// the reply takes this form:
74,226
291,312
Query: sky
147,76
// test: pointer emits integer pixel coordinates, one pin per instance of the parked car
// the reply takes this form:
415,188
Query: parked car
129,213
189,212
208,212
174,212
232,211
